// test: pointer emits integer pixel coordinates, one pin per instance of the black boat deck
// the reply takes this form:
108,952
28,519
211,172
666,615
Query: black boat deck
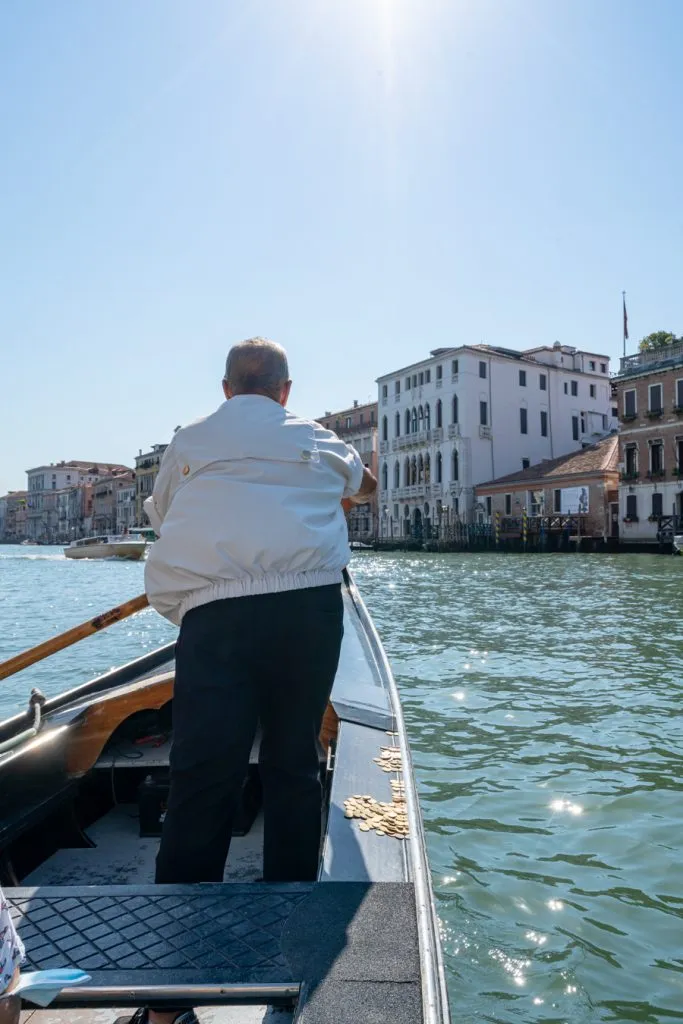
350,948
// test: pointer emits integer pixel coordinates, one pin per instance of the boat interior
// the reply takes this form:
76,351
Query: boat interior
82,801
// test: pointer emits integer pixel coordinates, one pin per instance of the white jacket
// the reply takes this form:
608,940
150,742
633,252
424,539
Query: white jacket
247,501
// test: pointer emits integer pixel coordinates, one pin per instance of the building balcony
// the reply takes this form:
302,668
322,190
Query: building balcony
439,383
654,414
485,432
385,399
629,417
629,476
437,490
454,486
397,396
437,435
453,430
656,474
384,447
421,437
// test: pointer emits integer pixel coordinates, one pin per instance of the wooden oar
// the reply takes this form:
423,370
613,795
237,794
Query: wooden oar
72,636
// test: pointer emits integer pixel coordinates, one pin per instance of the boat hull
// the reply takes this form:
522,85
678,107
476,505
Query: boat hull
131,552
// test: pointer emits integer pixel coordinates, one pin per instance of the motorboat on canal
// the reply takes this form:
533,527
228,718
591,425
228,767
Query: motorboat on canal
131,547
83,780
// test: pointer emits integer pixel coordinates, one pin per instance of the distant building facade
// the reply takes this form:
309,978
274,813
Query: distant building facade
125,508
358,427
146,470
649,389
477,412
583,484
55,492
105,500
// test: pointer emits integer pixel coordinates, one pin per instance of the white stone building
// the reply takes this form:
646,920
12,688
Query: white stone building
478,412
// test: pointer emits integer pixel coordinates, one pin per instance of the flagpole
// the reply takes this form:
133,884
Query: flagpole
625,320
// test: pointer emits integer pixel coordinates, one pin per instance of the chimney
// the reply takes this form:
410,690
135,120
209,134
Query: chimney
355,403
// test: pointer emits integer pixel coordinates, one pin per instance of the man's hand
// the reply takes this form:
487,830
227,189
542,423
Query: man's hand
368,487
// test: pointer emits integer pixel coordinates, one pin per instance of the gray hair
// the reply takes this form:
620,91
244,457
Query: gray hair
257,366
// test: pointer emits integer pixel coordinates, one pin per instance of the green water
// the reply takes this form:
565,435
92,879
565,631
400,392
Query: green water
542,695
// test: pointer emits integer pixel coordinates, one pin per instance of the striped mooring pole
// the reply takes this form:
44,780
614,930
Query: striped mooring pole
524,527
496,527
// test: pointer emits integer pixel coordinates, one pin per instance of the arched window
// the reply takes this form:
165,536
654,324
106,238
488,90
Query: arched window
456,467
385,476
406,472
385,429
413,471
439,414
407,421
413,420
439,467
455,409
420,418
420,470
397,474
428,468
428,416
397,425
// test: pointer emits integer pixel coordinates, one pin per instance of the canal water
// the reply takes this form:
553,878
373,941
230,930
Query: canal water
543,698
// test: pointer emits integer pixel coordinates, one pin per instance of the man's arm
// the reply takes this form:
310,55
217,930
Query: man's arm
367,488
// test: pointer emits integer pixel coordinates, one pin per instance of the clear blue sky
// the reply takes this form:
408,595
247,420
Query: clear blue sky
362,180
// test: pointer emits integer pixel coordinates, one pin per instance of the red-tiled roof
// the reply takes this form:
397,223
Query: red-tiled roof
601,457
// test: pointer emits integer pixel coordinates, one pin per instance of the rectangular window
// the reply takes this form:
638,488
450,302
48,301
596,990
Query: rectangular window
657,504
454,366
522,378
575,388
372,417
557,500
603,367
508,504
566,388
591,364
656,457
525,463
483,412
488,505
439,372
544,423
407,383
679,394
456,505
482,369
630,404
605,424
385,391
631,454
575,428
522,421
593,390
397,387
414,380
632,506
655,398
348,423
422,379
543,382
428,376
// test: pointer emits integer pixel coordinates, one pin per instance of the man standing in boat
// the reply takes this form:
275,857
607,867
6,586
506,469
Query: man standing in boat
252,544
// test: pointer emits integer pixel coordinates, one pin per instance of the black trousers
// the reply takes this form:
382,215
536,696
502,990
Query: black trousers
270,659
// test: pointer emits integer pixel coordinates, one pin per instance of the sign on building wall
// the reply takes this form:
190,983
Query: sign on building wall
572,499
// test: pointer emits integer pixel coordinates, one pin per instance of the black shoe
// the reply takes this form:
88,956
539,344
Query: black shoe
141,1016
